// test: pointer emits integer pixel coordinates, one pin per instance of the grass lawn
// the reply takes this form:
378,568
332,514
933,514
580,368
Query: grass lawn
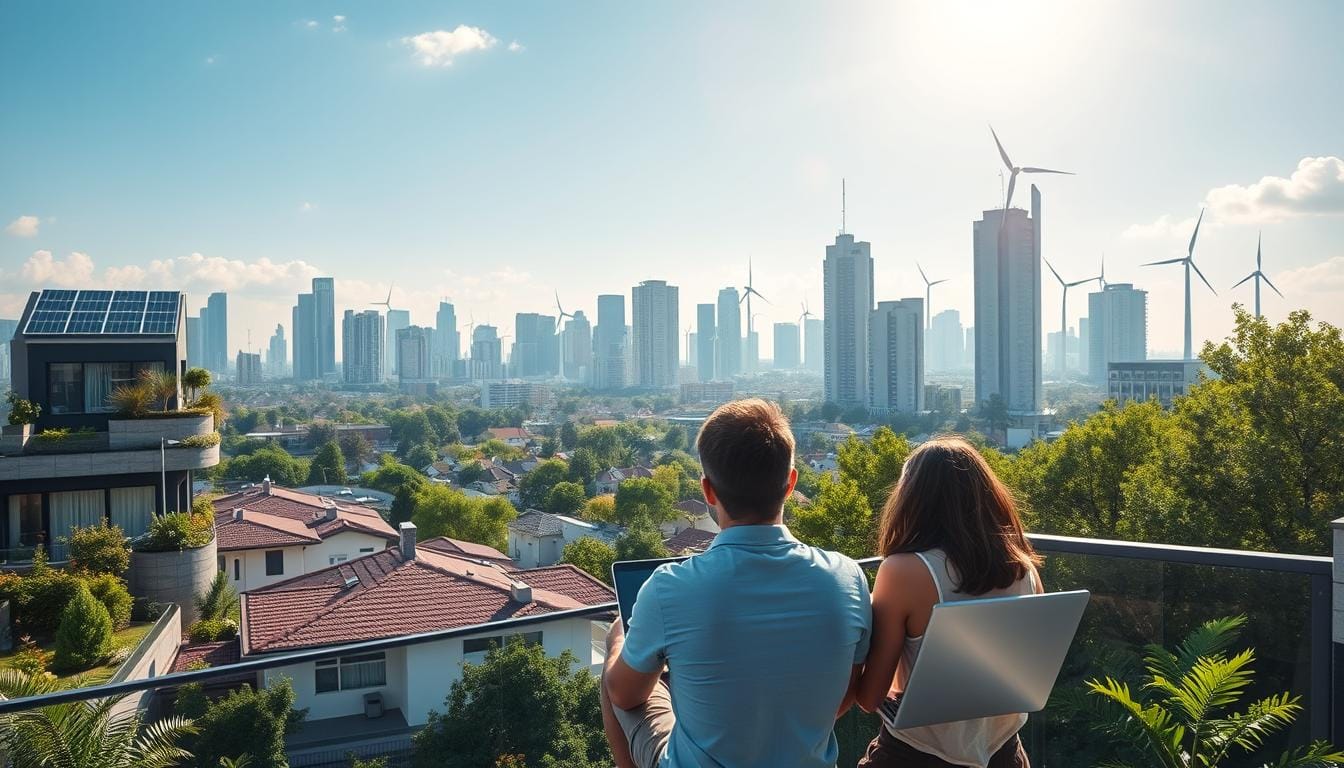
129,637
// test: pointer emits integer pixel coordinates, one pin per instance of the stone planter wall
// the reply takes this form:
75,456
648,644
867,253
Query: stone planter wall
130,434
174,577
13,437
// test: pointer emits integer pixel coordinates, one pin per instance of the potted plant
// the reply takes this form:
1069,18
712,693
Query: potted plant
22,416
175,560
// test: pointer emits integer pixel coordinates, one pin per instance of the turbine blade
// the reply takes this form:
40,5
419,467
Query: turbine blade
1271,285
1007,201
1242,280
999,144
1200,220
1257,252
1202,277
1047,170
922,276
1165,261
1053,272
936,282
1083,282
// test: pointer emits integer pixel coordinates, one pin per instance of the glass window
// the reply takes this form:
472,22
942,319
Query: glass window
334,559
275,562
367,670
65,388
25,520
100,381
327,676
480,644
237,571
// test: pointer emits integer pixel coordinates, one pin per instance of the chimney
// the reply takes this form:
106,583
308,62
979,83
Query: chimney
266,485
238,513
330,513
407,541
521,592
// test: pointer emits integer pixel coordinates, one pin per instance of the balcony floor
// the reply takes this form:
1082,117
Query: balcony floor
316,734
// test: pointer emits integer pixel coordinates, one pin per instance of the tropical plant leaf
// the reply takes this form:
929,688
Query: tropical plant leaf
1318,754
1211,639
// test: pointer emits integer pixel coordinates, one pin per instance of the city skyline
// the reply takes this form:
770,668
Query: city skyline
750,191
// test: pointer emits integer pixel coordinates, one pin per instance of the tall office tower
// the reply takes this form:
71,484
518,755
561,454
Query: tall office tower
275,353
946,342
1118,328
525,359
896,356
1084,343
304,328
787,350
486,353
1052,342
215,333
195,343
447,341
361,346
969,360
578,347
654,306
848,272
248,366
704,342
396,320
414,348
728,361
1008,307
7,331
814,333
324,325
609,343
548,346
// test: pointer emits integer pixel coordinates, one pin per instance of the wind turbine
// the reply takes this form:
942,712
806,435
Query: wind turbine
1013,170
1064,312
560,309
928,292
1189,261
1258,275
386,302
1101,279
747,292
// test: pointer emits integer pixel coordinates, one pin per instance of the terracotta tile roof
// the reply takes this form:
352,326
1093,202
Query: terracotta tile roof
256,530
389,596
508,433
689,540
694,507
534,522
306,518
216,654
468,549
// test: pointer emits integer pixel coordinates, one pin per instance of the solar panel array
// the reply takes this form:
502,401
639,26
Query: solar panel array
104,312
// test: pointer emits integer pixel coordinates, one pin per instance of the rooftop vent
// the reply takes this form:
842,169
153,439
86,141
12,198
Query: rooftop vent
407,531
266,485
237,513
330,513
351,581
521,592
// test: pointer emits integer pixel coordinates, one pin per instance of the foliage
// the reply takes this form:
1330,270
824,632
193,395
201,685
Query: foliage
30,658
176,531
219,601
370,762
320,433
212,630
84,734
583,466
549,446
355,447
590,555
644,499
403,506
131,399
111,591
844,512
392,476
607,446
22,411
678,481
442,511
38,598
534,486
99,549
674,439
565,498
641,541
600,509
268,461
328,466
554,714
195,379
208,440
84,636
246,722
1179,716
569,436
421,456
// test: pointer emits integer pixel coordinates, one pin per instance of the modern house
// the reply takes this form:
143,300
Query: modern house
81,461
267,534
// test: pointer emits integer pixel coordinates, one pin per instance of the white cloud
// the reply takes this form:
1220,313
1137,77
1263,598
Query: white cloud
195,273
24,226
1162,228
440,47
1315,188
338,24
516,47
209,59
1326,277
310,23
338,19
42,269
307,207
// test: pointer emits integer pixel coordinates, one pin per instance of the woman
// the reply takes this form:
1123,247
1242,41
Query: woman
949,532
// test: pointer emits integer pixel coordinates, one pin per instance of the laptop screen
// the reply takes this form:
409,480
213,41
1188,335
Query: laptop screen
628,576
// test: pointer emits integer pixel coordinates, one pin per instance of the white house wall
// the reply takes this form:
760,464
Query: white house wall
341,703
298,560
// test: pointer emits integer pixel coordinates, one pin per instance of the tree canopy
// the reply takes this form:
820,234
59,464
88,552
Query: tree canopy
443,511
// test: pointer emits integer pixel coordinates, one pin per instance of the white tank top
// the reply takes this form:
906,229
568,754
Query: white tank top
967,742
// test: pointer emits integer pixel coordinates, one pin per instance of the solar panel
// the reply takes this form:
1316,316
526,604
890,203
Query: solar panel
161,312
60,311
85,322
47,321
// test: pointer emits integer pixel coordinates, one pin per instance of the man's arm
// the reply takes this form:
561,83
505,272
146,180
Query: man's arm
852,692
626,686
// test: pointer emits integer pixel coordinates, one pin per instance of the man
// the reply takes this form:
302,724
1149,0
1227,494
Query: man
761,635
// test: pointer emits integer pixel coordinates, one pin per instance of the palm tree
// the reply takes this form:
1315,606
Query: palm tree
161,383
84,734
195,379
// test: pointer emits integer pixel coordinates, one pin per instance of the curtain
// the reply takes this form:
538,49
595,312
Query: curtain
97,386
363,671
70,509
132,508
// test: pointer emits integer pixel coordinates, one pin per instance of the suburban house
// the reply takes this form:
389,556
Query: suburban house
538,538
609,480
468,550
81,462
693,514
267,534
405,590
513,436
688,541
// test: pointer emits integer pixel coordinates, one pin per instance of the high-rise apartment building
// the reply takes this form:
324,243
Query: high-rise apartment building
304,328
1084,344
447,341
275,353
362,340
195,343
704,342
896,357
654,307
970,349
324,325
396,320
487,353
414,348
7,330
728,362
214,323
248,367
1008,307
787,348
814,344
1117,320
535,351
577,348
609,358
946,342
848,274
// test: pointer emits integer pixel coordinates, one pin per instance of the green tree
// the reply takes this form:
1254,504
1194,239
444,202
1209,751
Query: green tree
403,506
421,456
328,466
565,498
555,715
195,380
644,499
444,424
412,429
471,422
391,476
99,549
269,461
245,721
583,466
600,509
606,446
993,412
84,734
534,486
641,541
84,636
548,448
442,511
838,519
569,436
219,601
320,433
681,485
590,555
355,447
875,465
674,439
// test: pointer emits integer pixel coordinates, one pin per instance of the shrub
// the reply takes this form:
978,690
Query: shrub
39,598
218,601
208,440
177,531
246,722
30,658
84,636
22,411
212,630
115,597
99,549
119,655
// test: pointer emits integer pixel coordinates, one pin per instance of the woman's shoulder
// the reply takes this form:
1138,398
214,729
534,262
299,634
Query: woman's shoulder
903,566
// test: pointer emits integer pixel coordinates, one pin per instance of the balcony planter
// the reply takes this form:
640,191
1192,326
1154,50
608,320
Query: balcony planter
126,433
175,577
73,442
13,437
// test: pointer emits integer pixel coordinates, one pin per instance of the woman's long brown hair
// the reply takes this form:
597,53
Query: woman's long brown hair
948,498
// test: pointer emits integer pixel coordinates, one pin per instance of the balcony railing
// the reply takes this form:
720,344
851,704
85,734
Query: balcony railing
1141,594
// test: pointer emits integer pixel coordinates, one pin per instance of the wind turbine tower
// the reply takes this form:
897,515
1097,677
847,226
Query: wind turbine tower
1064,311
1258,275
1189,261
928,293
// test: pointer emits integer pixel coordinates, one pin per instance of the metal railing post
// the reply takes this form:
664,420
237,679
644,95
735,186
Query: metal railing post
1332,608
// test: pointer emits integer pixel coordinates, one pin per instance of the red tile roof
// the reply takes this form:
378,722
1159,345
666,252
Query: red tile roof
389,596
284,517
257,530
694,507
508,433
689,540
216,654
469,549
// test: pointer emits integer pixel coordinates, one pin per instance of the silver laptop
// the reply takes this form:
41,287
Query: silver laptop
980,658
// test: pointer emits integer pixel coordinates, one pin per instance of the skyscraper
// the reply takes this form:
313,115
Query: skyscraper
896,357
7,330
195,343
969,361
447,341
704,342
1117,319
728,362
215,333
361,346
1084,343
578,347
275,353
609,343
548,349
248,367
324,325
946,342
486,353
1008,307
848,272
654,306
814,358
786,347
414,347
396,320
304,329
535,347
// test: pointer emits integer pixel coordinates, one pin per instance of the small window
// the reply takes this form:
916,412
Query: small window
222,566
480,644
365,550
237,570
367,670
327,676
529,638
275,562
65,387
334,559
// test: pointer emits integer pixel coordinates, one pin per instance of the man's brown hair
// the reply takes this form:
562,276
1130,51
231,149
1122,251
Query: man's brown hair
746,452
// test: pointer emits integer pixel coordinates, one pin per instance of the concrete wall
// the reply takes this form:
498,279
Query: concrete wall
153,657
174,577
35,467
1338,591
129,434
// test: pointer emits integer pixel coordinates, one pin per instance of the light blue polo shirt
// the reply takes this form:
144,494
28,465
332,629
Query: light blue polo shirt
760,633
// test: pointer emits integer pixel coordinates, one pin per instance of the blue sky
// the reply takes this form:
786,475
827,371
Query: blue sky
496,152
